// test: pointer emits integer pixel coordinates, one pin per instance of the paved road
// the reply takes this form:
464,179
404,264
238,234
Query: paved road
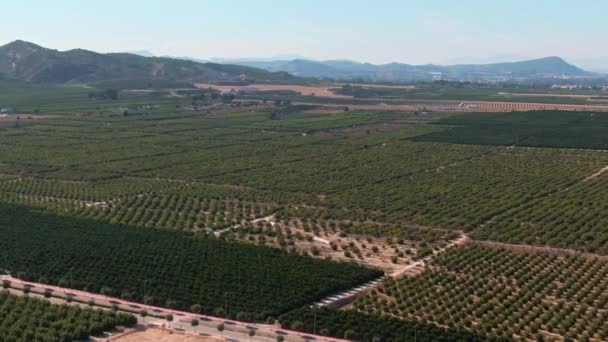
181,320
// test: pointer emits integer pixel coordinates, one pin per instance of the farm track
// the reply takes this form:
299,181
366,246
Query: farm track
597,174
419,266
343,298
106,302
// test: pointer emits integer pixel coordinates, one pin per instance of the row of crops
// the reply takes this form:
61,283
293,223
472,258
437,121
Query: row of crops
367,328
568,219
151,171
543,128
165,268
24,319
500,293
177,211
179,205
72,99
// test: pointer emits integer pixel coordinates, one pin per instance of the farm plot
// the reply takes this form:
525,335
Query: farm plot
369,328
539,129
463,194
574,218
326,239
165,268
181,212
499,293
164,169
24,319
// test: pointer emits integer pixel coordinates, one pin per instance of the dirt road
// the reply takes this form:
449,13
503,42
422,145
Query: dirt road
181,318
419,266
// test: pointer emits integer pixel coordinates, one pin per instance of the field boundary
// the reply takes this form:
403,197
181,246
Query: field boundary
158,311
539,249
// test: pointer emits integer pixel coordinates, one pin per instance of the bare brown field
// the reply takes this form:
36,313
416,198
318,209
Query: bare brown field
321,91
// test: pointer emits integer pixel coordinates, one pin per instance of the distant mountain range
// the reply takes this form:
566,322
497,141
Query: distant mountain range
26,61
543,68
534,69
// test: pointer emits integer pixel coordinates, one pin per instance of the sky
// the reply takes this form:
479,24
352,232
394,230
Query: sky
376,31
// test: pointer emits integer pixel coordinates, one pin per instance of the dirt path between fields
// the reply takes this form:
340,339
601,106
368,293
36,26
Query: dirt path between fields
597,174
419,266
344,298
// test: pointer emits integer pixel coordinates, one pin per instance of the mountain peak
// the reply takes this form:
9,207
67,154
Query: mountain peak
21,44
21,60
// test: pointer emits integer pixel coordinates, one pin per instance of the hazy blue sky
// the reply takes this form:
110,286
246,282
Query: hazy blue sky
429,31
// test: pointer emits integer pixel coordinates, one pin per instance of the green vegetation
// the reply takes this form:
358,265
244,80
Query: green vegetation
42,65
457,91
157,198
495,292
165,167
367,328
538,129
142,84
73,100
570,219
166,268
402,232
24,319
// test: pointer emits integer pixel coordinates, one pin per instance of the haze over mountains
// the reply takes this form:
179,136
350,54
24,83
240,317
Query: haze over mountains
532,69
26,61
29,62
550,67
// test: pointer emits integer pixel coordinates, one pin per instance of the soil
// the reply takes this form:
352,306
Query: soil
597,174
382,259
321,91
161,335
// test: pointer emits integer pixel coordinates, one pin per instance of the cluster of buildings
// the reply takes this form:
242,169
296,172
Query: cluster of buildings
578,86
